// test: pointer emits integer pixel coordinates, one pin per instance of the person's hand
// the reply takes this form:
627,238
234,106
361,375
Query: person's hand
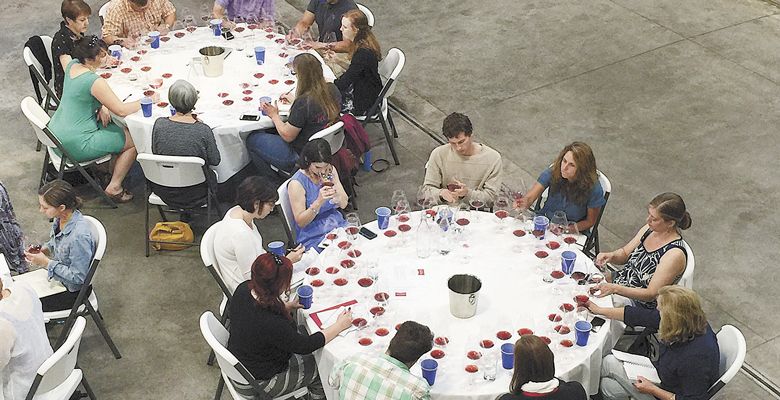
228,24
163,29
317,45
104,116
292,304
461,191
448,196
287,98
607,289
270,109
594,308
643,385
602,259
38,259
326,193
296,254
344,320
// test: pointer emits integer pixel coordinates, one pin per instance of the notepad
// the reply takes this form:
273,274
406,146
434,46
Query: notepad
39,281
637,366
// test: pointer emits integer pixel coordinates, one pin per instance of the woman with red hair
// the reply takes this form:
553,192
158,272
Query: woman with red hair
264,337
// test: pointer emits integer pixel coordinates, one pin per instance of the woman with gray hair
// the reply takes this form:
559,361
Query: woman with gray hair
183,135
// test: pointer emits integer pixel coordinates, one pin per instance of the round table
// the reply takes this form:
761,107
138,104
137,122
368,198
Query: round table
513,296
222,99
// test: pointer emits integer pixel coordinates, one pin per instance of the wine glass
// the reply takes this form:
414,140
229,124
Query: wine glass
329,39
239,24
571,231
251,24
501,209
294,39
189,23
353,226
282,31
308,39
205,13
558,222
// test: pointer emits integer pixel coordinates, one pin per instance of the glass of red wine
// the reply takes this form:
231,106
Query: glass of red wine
476,204
558,222
501,208
570,233
353,226
34,246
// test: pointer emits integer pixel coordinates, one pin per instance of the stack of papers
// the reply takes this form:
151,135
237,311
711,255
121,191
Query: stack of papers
40,282
637,366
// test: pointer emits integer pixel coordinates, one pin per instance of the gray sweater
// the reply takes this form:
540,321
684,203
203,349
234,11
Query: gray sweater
172,138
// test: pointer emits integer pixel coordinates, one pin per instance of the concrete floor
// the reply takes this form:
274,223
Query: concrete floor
673,96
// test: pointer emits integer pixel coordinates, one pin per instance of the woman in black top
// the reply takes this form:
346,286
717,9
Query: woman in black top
360,84
75,14
534,374
264,337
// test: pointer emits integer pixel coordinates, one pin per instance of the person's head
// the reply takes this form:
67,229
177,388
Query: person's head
138,5
90,50
574,172
410,342
316,157
57,197
257,196
270,278
457,129
183,96
534,362
681,314
666,212
312,83
354,27
76,15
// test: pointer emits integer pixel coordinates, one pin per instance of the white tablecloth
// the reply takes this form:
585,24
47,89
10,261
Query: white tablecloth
513,296
175,57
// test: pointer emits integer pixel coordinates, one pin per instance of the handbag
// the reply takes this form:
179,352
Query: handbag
173,231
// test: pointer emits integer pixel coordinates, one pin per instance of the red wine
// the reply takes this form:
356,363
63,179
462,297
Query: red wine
359,322
570,239
312,270
474,355
365,341
486,344
501,214
328,183
377,311
441,340
437,354
524,331
382,332
504,335
365,282
347,263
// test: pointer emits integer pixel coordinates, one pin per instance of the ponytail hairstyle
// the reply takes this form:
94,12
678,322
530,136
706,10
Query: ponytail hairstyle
364,37
271,276
60,193
89,47
671,207
317,150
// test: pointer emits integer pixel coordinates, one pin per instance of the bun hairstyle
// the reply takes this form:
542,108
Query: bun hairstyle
255,189
60,193
317,150
88,48
671,207
270,277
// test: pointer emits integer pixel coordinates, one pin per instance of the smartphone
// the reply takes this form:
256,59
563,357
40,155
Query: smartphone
227,35
250,117
597,322
367,233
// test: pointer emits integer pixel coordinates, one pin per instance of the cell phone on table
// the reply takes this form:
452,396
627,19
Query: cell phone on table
367,233
250,117
597,322
228,35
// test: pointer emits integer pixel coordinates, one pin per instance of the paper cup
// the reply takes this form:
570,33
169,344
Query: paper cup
276,247
582,330
540,225
116,51
216,26
382,217
429,368
305,295
155,36
567,261
508,355
260,55
265,99
146,106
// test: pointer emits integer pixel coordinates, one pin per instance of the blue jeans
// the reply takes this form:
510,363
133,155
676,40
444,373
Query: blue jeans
266,149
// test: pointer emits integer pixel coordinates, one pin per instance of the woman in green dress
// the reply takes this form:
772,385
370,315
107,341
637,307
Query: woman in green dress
82,121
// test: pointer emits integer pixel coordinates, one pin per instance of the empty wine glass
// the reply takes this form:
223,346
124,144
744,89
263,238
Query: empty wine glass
329,39
558,222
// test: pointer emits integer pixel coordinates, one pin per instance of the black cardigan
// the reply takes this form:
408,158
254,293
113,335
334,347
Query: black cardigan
262,340
363,75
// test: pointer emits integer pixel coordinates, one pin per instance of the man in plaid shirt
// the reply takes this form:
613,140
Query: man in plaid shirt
127,19
386,377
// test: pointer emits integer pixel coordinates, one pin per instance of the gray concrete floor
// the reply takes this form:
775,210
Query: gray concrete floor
673,96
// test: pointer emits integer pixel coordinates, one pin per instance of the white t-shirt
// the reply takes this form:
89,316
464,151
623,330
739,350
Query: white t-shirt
236,246
24,345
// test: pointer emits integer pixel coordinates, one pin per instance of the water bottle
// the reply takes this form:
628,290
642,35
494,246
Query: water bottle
425,232
446,232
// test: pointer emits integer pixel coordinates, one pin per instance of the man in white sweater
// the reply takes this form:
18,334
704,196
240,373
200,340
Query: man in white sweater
462,168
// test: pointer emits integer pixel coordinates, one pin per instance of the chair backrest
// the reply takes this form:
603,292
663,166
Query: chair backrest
217,337
58,367
732,355
101,238
38,119
287,213
210,260
686,280
333,134
172,171
104,11
368,13
38,75
390,67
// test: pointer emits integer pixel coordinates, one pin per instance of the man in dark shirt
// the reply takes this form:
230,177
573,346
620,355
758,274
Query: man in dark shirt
75,15
327,14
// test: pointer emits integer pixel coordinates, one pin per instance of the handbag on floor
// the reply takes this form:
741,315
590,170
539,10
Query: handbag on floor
173,231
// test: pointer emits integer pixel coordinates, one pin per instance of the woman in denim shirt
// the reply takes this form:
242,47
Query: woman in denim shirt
68,254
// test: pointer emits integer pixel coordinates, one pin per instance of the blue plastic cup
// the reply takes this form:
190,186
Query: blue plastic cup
508,355
382,217
429,368
276,247
582,332
155,36
367,161
116,51
540,224
146,106
305,295
173,110
567,261
260,55
216,26
264,99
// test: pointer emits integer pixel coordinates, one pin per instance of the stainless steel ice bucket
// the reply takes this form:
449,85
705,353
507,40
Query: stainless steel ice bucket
464,293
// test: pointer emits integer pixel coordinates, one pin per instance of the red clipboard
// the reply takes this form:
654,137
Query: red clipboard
316,318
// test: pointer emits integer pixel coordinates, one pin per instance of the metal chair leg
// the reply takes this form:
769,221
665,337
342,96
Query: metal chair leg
220,386
87,388
392,124
102,328
146,220
389,139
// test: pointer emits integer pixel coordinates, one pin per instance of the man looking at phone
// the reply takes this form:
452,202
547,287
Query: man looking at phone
127,20
327,14
462,168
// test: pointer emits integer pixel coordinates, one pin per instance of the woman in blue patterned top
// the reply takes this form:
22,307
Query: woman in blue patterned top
573,185
654,258
68,254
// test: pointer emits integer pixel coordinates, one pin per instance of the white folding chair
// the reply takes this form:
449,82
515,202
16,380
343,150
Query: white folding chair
288,218
333,134
104,11
389,69
210,261
232,371
367,12
174,172
686,280
65,163
59,376
732,355
87,303
38,77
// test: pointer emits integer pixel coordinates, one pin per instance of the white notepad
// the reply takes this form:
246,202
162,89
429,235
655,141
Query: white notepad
637,366
40,282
